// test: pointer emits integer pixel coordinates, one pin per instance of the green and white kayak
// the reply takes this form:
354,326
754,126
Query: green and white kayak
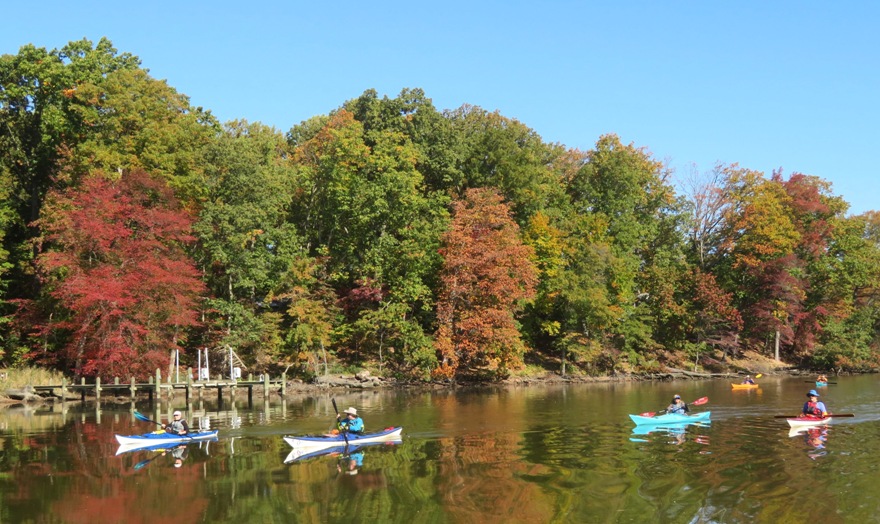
672,418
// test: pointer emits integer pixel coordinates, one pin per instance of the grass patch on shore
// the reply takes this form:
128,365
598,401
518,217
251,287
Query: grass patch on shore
18,378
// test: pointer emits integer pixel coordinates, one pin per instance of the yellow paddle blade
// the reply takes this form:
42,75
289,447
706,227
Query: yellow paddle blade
759,375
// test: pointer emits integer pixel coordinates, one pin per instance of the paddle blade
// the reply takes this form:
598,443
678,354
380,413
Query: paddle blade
142,463
647,414
138,416
759,375
700,401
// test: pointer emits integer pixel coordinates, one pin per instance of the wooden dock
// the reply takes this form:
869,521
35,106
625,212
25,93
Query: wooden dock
155,387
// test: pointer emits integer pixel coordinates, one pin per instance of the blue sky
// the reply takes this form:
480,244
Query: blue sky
783,84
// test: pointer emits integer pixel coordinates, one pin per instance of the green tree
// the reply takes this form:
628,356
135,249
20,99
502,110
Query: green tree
246,243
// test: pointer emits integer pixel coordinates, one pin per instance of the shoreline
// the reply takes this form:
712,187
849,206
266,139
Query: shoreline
365,382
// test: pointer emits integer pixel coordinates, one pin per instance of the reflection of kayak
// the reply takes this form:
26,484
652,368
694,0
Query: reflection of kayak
161,440
671,418
299,454
647,429
744,386
128,448
802,422
338,440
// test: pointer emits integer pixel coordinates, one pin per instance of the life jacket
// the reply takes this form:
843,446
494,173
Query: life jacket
812,409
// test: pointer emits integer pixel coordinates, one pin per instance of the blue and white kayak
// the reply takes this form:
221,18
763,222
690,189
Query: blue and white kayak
672,418
155,439
301,454
320,442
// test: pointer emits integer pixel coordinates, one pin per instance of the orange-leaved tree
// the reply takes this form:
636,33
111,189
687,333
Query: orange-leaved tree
487,276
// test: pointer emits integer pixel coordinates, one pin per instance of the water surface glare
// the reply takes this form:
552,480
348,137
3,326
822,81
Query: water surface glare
566,453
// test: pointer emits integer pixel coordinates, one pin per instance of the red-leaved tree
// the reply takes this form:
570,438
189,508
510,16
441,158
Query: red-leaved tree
488,274
112,257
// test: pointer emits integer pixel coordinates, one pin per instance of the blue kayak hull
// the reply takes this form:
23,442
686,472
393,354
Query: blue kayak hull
670,418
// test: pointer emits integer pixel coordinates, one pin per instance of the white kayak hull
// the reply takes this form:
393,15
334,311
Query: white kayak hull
391,434
807,422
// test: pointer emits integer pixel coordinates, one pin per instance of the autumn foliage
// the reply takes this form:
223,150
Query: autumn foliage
487,275
113,257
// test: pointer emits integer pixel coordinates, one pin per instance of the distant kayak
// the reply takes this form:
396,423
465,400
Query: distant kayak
671,418
800,422
744,386
821,384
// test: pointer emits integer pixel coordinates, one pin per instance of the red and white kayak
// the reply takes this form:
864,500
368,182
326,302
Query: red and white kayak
802,422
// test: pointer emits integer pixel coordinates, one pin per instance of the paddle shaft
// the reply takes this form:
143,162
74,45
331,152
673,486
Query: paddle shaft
140,416
814,381
344,433
698,402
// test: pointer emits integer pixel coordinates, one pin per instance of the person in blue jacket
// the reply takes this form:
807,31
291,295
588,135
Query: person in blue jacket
814,408
678,407
351,422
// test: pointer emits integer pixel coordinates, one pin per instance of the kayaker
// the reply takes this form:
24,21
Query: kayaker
822,378
678,407
350,422
178,425
814,408
748,380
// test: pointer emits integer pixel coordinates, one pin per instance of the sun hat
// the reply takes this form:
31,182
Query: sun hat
812,393
676,397
176,413
351,411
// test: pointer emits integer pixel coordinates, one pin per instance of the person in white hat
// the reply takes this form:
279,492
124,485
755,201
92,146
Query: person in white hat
178,424
350,422
677,407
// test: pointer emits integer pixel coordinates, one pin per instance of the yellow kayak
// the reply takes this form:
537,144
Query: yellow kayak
744,386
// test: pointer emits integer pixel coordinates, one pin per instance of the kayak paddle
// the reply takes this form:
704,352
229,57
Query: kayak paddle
337,419
835,415
814,381
699,402
144,418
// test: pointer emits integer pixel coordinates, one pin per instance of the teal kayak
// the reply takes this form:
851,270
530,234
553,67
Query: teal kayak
671,418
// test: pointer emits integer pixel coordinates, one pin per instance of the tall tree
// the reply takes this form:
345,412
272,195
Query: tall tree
114,263
487,276
38,120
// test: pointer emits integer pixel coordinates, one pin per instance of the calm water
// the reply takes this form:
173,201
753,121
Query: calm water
531,454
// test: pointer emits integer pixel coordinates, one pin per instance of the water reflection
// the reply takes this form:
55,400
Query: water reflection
303,454
814,437
675,434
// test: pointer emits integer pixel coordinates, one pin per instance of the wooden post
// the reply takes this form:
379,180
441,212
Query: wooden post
219,394
158,385
132,388
284,384
98,389
266,385
82,390
63,389
189,383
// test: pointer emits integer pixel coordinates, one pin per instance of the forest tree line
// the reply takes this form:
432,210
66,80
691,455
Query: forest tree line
390,234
